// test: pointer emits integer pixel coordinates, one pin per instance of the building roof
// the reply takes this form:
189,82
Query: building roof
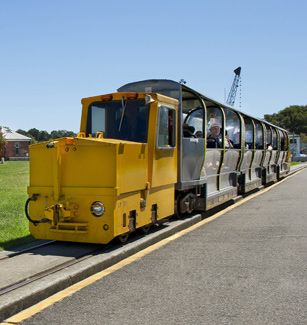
14,136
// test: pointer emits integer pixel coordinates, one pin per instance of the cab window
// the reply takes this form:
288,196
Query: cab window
166,133
119,119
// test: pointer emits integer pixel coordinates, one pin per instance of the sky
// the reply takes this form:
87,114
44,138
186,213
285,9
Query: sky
53,53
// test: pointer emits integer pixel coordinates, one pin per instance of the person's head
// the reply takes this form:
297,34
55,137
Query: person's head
215,129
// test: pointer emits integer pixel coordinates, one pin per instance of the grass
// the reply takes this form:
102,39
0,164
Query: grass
14,178
293,163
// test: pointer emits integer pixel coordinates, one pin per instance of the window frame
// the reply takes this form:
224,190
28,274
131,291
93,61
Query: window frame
226,120
257,122
174,132
220,118
253,143
17,148
108,111
275,140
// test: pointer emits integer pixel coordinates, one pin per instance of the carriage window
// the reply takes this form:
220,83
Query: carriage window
233,134
282,140
215,127
274,142
269,143
193,124
286,137
166,135
287,141
249,133
259,135
193,112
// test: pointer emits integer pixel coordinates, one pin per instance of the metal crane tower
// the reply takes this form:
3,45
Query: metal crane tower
235,84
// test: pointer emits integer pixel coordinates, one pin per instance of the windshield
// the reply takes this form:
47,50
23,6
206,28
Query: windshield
124,120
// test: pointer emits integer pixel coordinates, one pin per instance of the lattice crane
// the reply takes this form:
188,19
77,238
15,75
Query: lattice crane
235,84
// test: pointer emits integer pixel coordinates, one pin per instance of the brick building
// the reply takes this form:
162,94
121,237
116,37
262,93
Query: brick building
17,145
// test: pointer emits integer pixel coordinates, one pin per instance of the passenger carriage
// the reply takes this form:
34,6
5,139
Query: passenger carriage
218,174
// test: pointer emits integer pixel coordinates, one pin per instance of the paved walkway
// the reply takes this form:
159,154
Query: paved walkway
247,267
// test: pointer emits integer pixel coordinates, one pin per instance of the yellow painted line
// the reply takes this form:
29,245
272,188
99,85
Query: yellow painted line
31,311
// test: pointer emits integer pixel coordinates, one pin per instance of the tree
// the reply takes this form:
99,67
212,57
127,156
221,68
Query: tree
5,128
34,133
292,118
2,144
61,134
43,136
23,132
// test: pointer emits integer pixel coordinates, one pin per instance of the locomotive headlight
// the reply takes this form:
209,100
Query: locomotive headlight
97,209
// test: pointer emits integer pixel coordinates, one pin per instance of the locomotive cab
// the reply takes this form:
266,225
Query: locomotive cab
117,175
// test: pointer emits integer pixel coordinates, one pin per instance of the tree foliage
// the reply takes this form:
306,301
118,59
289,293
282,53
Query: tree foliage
2,144
292,118
42,135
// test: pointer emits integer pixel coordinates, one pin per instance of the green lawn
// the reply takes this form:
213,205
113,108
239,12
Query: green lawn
14,178
293,163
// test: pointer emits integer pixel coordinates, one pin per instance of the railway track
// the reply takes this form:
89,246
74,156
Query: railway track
33,263
43,258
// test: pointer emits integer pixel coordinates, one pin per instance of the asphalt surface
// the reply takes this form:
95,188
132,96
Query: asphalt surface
247,267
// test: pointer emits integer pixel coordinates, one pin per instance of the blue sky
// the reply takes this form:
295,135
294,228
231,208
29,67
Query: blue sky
53,53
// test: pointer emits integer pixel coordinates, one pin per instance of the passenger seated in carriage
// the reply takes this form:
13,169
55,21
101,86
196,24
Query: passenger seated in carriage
215,137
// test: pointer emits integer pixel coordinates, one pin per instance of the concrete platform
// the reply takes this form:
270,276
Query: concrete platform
14,301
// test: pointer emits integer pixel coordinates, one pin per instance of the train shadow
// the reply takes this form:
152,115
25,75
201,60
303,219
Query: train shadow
15,244
76,250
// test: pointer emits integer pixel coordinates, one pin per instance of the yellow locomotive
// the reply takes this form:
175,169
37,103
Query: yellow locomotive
141,156
117,175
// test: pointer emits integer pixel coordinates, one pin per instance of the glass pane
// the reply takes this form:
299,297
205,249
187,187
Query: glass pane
98,119
215,127
125,120
259,135
268,137
193,125
232,133
166,128
274,142
249,133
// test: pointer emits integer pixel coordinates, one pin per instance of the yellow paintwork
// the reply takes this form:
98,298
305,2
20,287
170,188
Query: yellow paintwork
76,172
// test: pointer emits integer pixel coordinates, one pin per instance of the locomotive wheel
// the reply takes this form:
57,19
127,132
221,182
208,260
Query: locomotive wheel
146,229
185,205
123,238
179,214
